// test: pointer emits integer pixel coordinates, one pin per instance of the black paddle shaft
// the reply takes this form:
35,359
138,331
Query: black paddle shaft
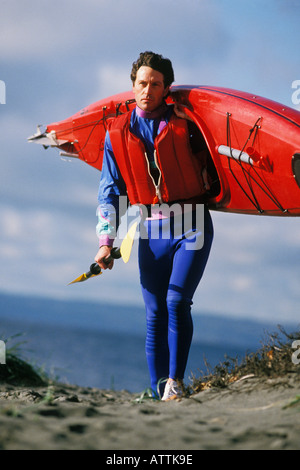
114,254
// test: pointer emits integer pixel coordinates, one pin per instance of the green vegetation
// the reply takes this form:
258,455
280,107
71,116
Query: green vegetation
17,370
273,359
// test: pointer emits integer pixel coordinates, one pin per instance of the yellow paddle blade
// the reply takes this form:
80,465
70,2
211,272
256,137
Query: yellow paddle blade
126,245
83,277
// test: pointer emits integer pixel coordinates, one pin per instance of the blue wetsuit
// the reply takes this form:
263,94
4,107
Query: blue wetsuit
171,267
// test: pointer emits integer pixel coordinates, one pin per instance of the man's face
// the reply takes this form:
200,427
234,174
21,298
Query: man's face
149,88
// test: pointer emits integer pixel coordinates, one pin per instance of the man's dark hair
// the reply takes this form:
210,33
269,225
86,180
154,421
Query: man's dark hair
156,62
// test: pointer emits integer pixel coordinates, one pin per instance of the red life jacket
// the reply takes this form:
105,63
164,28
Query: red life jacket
180,170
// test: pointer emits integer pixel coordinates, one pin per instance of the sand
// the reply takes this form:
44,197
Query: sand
250,414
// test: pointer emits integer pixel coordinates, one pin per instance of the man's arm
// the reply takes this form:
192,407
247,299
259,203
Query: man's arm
111,187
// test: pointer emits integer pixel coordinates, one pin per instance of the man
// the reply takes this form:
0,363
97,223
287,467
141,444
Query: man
148,156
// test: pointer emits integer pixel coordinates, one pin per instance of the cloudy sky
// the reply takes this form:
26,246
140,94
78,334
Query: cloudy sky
57,57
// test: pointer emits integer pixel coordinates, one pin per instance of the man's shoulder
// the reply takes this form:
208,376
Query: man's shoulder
120,121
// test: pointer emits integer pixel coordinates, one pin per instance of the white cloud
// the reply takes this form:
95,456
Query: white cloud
242,284
253,267
252,270
112,80
38,30
10,224
35,30
41,251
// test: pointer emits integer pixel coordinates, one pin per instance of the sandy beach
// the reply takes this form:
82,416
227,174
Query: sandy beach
251,413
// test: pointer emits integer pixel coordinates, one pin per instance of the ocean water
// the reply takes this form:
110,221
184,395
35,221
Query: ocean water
88,345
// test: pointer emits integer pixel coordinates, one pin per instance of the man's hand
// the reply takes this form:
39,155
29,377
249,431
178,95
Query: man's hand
180,113
102,255
205,179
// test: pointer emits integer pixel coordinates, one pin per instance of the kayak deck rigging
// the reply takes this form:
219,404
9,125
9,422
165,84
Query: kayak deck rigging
247,173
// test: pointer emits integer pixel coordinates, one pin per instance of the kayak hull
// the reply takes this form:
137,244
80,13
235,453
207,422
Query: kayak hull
253,142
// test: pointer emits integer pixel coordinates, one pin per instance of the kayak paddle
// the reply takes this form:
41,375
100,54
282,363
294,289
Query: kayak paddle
95,269
124,251
126,245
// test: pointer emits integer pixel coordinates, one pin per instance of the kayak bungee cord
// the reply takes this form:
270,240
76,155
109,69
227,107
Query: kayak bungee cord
246,172
103,119
255,203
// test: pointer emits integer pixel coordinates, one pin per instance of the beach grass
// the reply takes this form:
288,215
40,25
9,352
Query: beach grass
18,370
273,359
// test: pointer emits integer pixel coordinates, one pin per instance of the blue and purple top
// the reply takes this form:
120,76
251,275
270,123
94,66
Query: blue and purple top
146,126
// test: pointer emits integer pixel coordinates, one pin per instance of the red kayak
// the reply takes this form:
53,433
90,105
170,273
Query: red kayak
254,145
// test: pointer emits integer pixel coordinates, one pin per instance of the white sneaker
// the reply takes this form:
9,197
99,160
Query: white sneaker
173,390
